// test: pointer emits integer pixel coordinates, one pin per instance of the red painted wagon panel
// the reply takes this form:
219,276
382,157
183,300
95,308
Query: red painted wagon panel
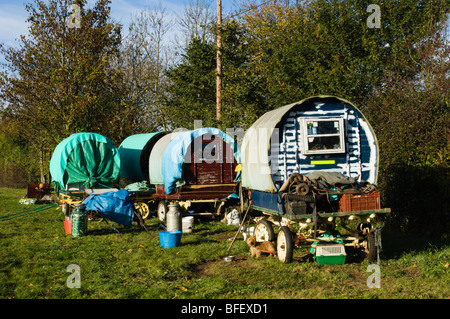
208,171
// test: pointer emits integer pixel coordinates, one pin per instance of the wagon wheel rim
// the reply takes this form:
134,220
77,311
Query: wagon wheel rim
262,231
281,246
137,208
285,245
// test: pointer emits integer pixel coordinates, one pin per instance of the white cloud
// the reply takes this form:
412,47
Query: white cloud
122,10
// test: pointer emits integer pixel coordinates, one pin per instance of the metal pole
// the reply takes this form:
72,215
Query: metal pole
240,226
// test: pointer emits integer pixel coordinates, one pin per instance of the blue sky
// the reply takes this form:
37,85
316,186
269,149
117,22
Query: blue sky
13,13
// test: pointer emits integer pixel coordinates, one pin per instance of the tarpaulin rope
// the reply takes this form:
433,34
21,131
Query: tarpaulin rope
27,212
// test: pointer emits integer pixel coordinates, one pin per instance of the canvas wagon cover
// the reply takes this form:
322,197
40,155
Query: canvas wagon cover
134,154
154,162
88,158
257,172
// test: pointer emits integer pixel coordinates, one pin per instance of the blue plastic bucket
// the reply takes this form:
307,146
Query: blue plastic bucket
169,239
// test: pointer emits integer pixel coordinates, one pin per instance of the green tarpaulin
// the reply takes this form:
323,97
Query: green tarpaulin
135,152
87,158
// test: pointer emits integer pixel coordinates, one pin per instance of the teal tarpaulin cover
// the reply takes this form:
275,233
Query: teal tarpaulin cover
134,154
173,158
88,158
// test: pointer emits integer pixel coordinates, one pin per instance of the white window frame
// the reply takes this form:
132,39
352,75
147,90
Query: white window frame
304,129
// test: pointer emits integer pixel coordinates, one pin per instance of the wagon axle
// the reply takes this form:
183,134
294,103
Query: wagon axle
364,237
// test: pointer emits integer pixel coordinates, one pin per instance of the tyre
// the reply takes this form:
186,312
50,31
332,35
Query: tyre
264,231
302,189
162,210
372,247
285,246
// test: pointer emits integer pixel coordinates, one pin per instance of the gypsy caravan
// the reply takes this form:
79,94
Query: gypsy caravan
135,154
195,167
84,164
311,162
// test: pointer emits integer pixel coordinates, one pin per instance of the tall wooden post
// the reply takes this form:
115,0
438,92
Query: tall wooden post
219,60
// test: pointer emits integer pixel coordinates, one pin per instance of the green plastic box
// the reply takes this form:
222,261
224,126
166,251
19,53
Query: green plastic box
330,254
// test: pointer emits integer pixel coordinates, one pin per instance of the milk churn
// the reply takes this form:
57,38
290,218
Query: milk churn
79,221
173,218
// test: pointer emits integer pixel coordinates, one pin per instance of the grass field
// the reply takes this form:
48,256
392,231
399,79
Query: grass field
35,253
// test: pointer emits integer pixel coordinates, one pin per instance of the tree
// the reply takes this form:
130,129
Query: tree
326,46
196,21
411,115
18,163
145,59
192,89
60,78
243,96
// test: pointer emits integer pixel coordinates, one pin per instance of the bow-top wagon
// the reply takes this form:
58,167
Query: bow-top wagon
83,164
195,169
313,165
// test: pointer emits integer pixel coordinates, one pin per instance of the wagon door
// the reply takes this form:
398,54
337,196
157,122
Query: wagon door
209,160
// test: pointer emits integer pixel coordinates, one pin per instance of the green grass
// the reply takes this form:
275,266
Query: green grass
35,253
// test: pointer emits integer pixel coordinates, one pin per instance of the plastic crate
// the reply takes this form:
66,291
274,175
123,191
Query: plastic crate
351,203
330,254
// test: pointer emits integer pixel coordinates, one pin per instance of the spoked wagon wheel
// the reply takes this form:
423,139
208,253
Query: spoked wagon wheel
162,210
143,209
285,246
370,242
264,231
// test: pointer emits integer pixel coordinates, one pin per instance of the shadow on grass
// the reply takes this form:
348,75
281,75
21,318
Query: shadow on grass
395,244
103,227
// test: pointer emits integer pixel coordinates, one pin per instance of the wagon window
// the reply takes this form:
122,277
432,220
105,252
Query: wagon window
323,136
